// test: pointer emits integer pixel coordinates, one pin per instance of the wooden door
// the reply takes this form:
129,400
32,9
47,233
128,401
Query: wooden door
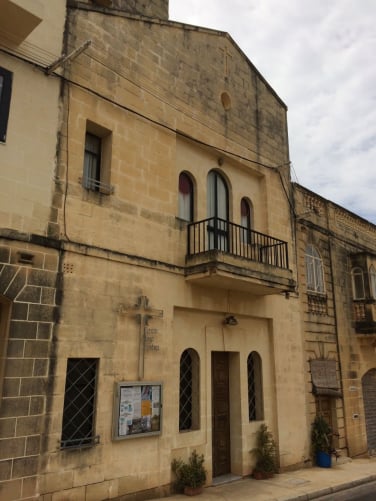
220,414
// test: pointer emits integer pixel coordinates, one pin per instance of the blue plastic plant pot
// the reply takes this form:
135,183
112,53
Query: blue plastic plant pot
323,459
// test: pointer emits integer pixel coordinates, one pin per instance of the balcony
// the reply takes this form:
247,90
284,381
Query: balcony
365,316
226,255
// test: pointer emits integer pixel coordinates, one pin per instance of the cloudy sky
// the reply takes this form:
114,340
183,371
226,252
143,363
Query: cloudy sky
320,58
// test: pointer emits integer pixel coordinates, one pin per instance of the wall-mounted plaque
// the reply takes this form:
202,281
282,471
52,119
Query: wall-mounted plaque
137,409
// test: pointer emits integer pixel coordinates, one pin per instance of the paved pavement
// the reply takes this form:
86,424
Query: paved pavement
300,485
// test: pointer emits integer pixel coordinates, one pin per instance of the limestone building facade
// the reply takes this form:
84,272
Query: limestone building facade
336,263
31,38
177,323
153,276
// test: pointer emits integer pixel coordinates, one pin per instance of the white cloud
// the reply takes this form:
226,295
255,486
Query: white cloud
319,58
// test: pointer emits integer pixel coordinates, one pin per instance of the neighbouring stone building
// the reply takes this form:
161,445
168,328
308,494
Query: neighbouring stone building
31,37
154,295
337,286
178,259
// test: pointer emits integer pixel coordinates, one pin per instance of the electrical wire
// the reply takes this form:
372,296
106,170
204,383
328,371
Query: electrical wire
158,97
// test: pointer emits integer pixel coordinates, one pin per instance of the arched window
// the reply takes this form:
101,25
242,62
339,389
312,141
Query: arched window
217,211
357,282
255,393
185,197
314,270
245,221
189,390
372,281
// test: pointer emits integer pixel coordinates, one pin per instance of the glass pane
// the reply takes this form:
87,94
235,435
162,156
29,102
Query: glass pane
222,198
186,392
211,195
92,143
185,197
372,274
358,283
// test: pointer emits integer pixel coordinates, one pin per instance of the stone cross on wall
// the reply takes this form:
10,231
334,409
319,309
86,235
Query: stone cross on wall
143,312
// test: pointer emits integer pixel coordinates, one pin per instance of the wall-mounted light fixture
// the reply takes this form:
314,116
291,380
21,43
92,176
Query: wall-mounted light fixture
231,320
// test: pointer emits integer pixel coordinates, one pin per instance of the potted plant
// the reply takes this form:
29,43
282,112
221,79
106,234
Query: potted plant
322,442
266,454
190,475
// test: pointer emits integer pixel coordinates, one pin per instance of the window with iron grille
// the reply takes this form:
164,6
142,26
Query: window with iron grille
79,403
255,394
189,391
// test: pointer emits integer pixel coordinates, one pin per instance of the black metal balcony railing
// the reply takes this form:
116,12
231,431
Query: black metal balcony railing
218,234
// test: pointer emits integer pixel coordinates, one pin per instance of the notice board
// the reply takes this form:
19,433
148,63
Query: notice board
137,409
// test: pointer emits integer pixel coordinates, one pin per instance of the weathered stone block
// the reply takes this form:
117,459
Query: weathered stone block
43,313
12,447
33,386
19,311
11,489
48,295
13,407
17,284
44,330
29,425
22,330
29,487
40,367
25,467
36,405
53,482
15,348
19,367
32,445
51,262
100,491
5,469
11,387
4,254
30,294
36,349
42,278
6,276
7,427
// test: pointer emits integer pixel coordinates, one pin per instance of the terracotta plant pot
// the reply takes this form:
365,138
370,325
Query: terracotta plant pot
192,491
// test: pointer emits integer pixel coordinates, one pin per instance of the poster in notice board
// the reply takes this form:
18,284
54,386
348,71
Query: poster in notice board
137,409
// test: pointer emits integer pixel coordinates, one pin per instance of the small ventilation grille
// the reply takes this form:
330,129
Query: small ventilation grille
68,268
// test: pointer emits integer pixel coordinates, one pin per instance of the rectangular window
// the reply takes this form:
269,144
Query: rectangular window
79,403
97,159
5,95
92,162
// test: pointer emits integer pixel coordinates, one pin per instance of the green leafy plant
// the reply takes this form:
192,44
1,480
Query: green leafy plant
322,436
265,451
191,473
